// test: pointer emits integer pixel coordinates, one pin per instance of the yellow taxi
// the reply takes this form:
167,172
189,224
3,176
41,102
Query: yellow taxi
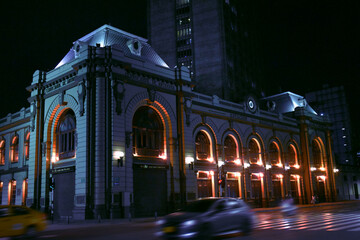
20,220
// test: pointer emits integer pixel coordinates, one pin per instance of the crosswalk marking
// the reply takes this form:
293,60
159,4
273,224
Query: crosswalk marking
327,222
345,227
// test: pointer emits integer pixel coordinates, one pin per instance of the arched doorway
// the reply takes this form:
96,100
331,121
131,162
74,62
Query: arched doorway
150,163
203,148
64,175
320,179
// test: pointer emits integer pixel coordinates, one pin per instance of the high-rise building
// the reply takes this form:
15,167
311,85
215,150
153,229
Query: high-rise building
331,101
216,39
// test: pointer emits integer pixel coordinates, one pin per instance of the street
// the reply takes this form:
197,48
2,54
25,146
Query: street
328,222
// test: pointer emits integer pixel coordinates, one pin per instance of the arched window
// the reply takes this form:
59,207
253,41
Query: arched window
27,146
274,153
2,152
148,133
316,152
12,192
254,152
230,148
203,145
66,136
292,155
14,149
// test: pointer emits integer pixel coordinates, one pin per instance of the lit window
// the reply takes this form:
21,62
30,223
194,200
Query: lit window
12,192
148,133
27,146
2,152
316,152
292,155
230,148
254,152
274,153
66,136
25,189
14,149
203,145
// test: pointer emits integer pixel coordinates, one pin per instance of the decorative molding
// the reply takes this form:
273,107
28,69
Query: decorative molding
271,105
203,119
151,94
32,115
119,92
43,148
134,46
231,124
81,90
61,98
188,109
128,138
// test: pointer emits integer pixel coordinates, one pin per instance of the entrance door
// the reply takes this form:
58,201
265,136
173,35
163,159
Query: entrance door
277,190
232,188
321,191
64,193
293,191
150,192
204,188
256,193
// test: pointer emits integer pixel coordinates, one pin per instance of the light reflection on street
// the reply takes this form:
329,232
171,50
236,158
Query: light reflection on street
310,222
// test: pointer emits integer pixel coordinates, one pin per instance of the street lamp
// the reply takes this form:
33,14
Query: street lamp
121,159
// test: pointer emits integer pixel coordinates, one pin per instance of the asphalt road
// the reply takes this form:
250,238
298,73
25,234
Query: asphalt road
329,222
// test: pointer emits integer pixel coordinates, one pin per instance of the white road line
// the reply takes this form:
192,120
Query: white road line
332,224
345,227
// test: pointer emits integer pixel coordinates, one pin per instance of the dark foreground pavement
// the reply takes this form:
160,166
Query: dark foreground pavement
71,224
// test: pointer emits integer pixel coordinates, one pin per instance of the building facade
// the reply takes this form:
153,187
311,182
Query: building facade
217,40
331,101
113,131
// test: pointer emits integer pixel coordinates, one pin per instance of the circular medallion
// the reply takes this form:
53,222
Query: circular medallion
251,105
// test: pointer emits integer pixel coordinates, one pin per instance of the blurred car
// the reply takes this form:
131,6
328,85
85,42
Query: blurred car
207,218
20,221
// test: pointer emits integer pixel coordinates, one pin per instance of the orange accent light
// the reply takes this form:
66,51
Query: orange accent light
237,161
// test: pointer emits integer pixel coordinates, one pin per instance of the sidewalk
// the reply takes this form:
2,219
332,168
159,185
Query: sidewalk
310,205
59,225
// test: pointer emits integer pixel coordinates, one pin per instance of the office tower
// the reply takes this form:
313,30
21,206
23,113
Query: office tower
216,39
331,101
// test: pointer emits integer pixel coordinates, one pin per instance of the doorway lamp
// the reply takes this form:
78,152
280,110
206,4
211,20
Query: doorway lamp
121,159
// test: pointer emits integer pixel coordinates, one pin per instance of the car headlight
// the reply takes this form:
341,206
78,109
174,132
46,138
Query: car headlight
160,222
189,223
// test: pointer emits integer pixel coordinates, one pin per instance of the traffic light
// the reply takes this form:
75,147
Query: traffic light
222,182
51,184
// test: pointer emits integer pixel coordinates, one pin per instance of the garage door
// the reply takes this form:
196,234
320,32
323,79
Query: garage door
150,192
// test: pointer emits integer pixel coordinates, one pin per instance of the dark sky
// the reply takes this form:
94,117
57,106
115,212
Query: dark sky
306,43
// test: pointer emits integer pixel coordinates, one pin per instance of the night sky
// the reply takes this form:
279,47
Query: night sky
306,44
